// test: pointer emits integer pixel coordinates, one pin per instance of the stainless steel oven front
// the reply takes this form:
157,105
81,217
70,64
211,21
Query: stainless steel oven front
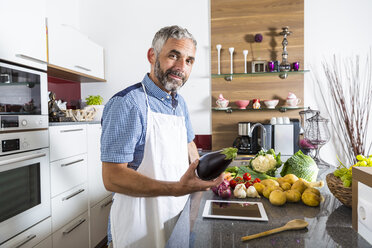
24,181
23,98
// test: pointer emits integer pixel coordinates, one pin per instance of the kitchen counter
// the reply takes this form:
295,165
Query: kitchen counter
329,225
73,123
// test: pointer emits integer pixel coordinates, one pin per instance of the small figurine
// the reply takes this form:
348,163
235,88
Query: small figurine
256,104
55,113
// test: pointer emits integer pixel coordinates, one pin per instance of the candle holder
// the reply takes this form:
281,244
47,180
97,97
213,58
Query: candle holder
284,65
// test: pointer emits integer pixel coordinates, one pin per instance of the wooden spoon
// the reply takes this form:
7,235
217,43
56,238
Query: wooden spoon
291,225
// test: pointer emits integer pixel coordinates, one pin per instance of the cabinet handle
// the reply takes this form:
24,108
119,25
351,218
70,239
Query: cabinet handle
71,130
74,162
106,204
31,58
23,158
81,221
83,68
73,194
28,239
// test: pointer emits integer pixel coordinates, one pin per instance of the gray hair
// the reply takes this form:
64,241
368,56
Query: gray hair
175,32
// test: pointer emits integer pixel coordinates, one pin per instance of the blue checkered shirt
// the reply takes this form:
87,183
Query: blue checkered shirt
124,121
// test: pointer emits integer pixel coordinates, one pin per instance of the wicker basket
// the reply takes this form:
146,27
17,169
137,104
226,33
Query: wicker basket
343,194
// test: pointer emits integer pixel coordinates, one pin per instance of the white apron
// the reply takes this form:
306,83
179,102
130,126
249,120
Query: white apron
139,221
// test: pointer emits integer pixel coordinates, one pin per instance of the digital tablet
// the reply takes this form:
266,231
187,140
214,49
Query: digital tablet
237,210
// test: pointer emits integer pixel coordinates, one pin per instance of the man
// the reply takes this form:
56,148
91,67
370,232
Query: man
147,146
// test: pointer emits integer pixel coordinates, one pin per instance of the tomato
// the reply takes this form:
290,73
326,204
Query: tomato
238,179
247,184
247,176
233,183
257,180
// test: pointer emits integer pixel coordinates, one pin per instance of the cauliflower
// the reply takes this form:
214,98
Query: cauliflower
266,162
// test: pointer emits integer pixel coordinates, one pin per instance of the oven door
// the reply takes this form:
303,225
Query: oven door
23,91
24,191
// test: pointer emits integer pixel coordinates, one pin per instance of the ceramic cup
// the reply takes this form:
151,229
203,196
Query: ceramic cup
293,102
279,120
271,104
286,120
242,104
273,121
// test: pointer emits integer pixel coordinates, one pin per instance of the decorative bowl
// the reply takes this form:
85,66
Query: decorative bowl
271,104
343,194
242,104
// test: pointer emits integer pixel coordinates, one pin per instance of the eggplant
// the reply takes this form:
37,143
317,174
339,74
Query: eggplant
212,164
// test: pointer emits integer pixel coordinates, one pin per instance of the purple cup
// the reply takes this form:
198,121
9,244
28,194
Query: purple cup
296,66
270,66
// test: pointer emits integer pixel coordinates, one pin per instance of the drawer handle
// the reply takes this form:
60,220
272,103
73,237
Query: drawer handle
106,204
23,158
83,68
71,130
74,162
81,221
28,239
31,58
73,194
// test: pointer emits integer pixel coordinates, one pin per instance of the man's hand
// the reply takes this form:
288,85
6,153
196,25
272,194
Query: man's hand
190,183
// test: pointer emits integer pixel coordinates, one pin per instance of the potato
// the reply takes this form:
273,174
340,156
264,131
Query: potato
259,187
285,186
291,178
299,186
313,190
277,197
269,182
267,190
293,195
310,199
282,180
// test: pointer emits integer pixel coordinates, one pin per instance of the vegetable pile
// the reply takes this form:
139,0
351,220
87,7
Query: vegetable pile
302,166
211,165
346,173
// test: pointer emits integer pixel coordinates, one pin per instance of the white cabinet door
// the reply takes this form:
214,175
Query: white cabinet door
98,221
68,173
23,32
97,191
30,237
75,234
63,12
67,141
46,243
68,205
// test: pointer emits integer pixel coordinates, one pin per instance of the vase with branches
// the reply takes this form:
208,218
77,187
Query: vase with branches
346,94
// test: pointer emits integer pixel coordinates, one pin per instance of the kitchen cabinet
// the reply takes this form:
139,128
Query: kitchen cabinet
76,183
23,33
31,237
72,52
74,234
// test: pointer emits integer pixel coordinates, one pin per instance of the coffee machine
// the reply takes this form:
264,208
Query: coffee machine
252,138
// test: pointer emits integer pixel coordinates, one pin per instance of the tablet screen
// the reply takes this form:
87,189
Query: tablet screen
239,210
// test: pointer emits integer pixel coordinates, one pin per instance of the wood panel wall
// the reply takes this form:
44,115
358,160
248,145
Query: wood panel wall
234,24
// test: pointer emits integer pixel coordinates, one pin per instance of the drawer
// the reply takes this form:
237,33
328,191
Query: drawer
67,141
68,206
68,173
46,243
74,234
30,237
98,220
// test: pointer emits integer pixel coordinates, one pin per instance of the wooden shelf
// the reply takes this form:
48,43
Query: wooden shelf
60,72
280,109
229,77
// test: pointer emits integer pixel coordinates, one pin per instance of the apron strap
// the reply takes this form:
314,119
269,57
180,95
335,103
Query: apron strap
147,99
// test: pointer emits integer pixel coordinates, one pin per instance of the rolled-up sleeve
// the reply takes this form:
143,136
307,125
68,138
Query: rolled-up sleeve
121,130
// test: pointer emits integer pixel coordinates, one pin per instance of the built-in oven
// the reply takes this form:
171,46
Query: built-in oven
23,98
24,181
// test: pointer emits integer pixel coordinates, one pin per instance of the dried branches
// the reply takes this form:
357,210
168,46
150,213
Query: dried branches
347,97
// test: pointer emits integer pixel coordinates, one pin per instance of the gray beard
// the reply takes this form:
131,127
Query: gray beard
169,84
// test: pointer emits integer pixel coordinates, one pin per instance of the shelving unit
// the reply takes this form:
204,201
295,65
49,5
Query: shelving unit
229,77
280,109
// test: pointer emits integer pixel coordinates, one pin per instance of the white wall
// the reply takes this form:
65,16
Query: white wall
340,27
126,28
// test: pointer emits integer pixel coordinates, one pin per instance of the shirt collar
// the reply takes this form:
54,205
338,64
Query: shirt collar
154,90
